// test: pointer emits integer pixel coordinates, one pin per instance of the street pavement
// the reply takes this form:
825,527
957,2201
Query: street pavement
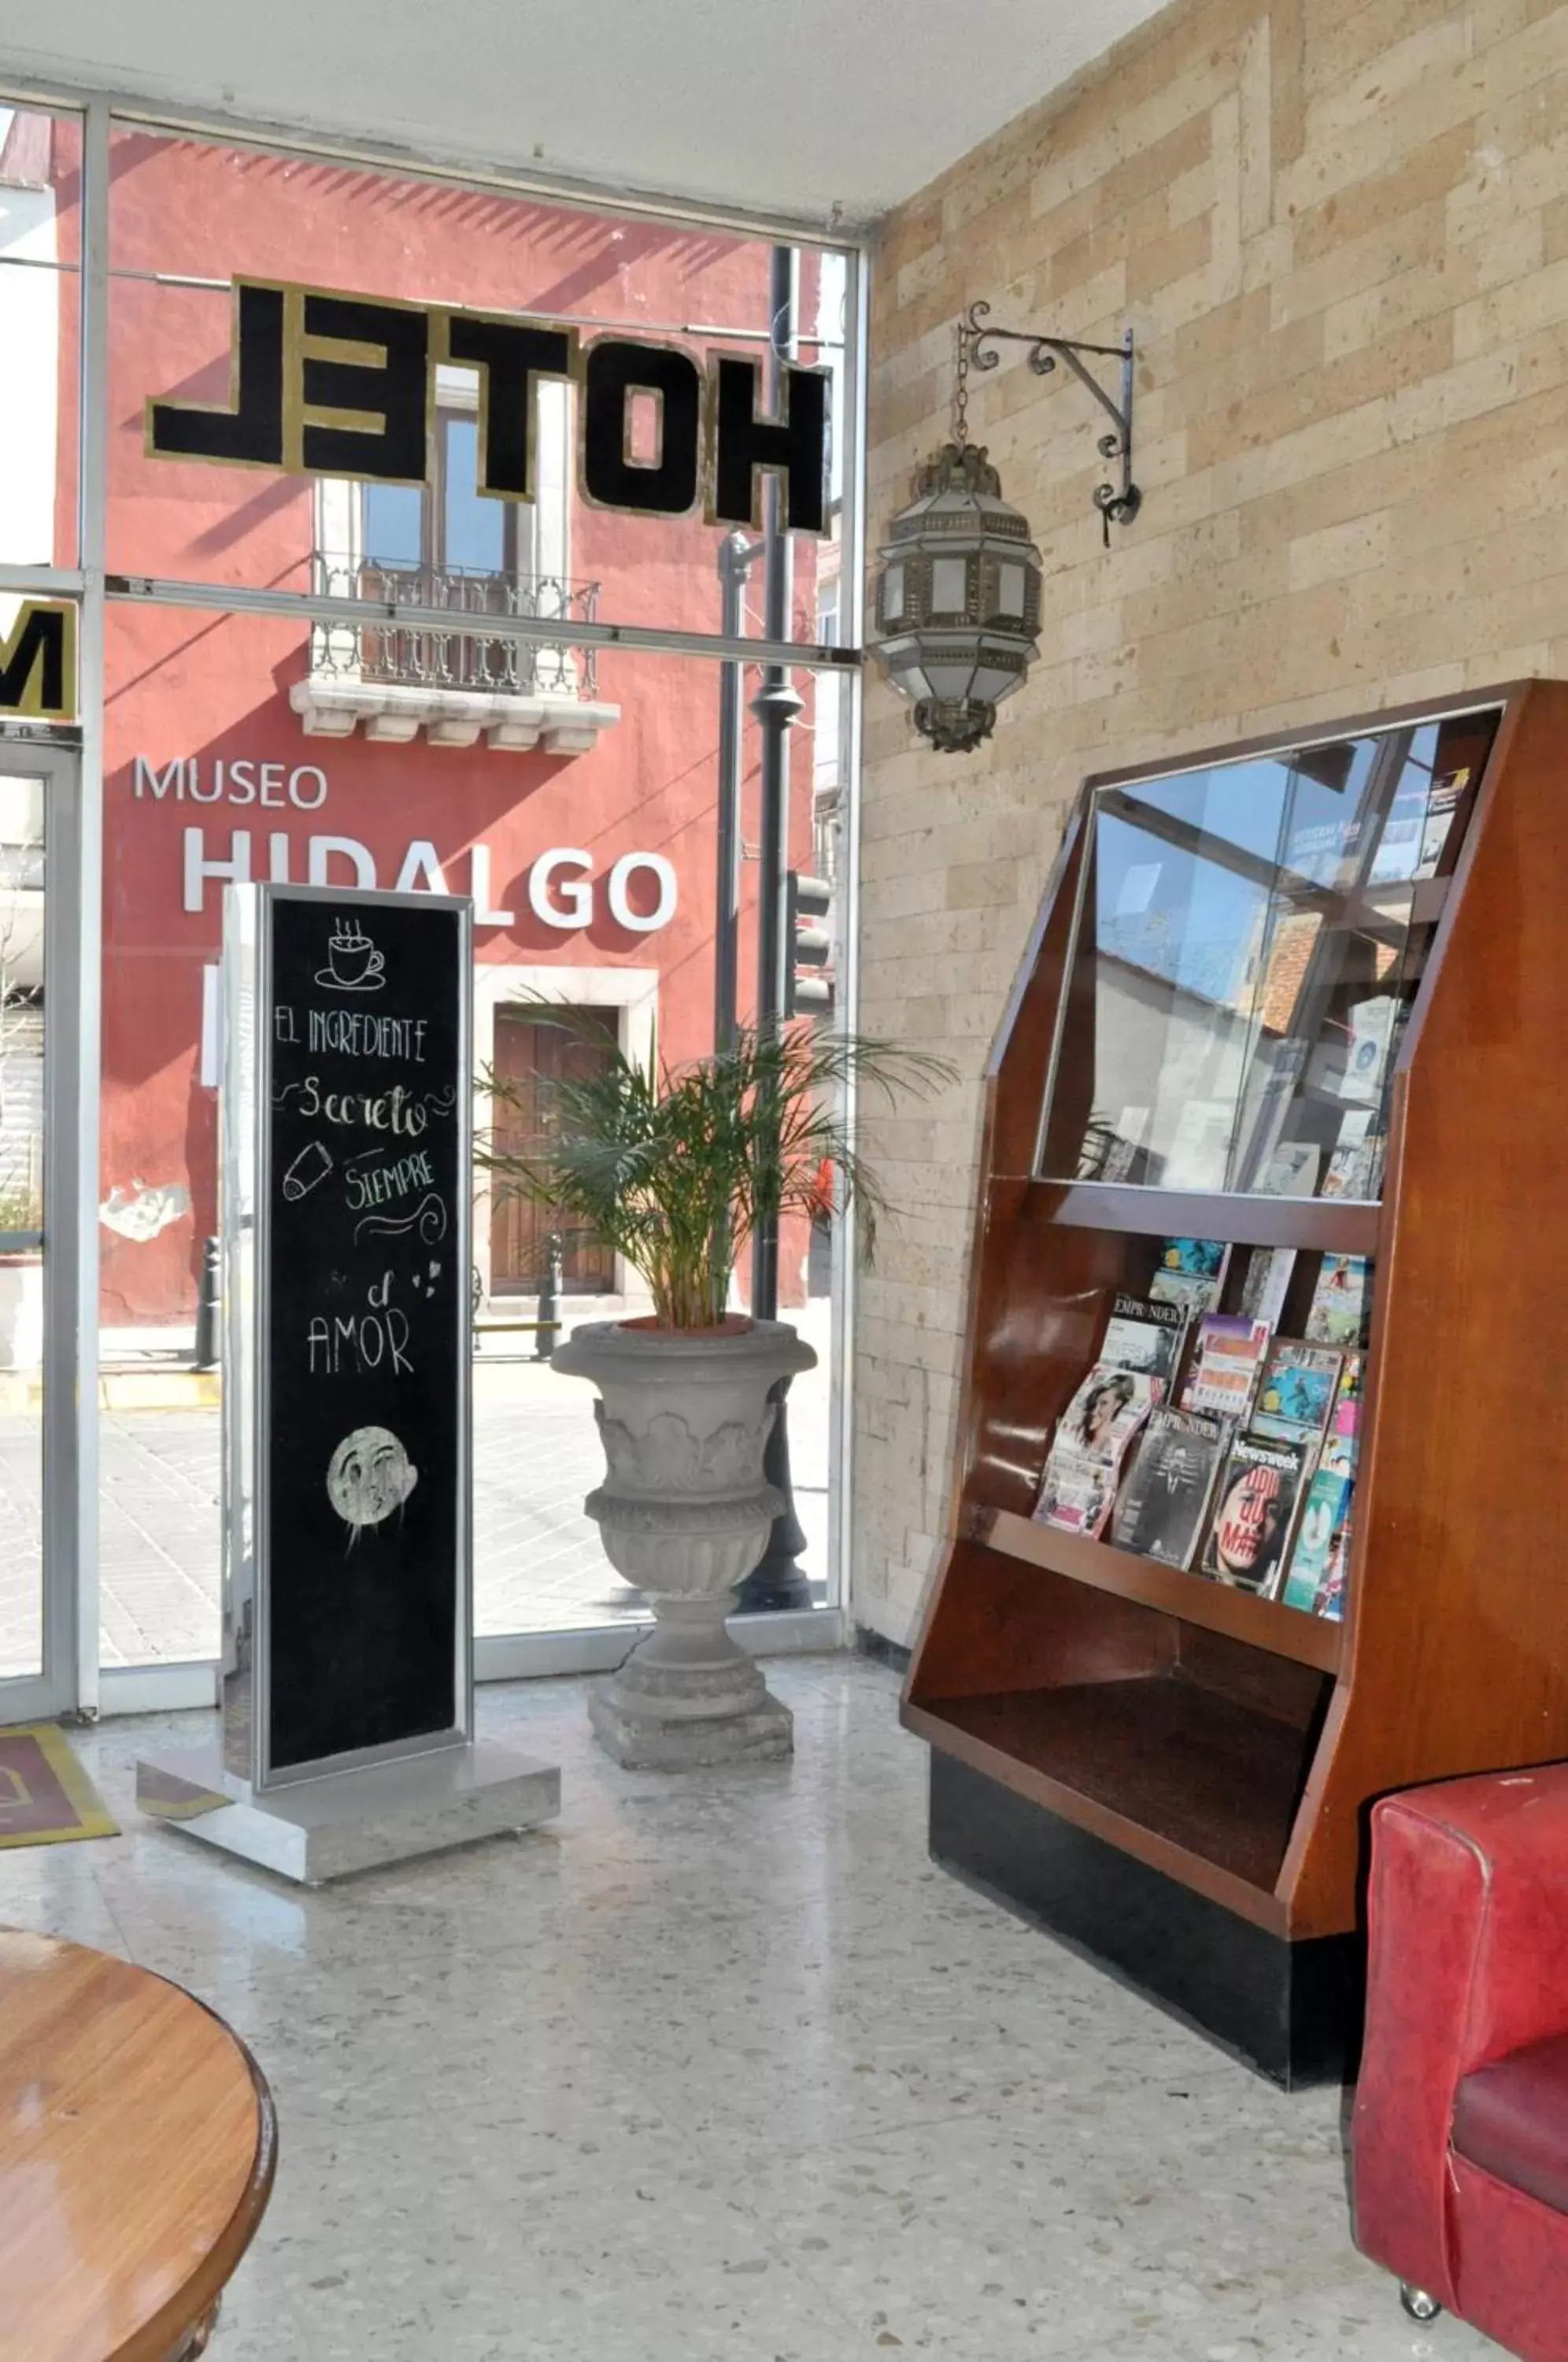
538,1564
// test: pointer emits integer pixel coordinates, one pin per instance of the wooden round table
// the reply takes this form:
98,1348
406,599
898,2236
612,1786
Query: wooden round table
137,2144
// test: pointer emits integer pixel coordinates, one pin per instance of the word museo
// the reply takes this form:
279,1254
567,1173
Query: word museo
308,400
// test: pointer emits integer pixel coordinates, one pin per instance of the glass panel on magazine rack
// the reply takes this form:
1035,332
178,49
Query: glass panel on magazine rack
1249,944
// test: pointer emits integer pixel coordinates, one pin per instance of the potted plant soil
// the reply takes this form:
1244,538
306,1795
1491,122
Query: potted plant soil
675,1168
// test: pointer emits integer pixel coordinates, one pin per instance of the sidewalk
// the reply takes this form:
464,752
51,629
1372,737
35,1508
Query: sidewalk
539,1566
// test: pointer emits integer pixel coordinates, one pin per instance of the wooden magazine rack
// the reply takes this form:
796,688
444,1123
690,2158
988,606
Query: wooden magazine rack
1173,1774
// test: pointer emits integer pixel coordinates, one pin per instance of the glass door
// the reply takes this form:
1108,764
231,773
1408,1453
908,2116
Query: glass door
38,1001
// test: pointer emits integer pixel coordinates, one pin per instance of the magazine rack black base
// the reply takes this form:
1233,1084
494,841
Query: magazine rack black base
1291,2011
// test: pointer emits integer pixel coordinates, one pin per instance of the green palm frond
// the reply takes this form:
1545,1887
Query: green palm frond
675,1167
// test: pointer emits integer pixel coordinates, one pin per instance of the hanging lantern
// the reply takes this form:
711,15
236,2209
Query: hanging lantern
958,598
958,601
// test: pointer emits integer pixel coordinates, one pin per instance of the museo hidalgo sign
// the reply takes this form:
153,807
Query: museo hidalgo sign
567,889
332,384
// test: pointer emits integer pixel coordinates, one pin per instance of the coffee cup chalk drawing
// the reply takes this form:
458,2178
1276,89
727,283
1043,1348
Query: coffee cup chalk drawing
353,962
370,1476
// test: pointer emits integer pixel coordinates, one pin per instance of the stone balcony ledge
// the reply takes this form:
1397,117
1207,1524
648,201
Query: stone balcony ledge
392,714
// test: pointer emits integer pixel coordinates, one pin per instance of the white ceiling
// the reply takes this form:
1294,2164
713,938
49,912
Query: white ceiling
820,111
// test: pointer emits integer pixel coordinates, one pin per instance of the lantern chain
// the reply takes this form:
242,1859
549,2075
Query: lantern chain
961,389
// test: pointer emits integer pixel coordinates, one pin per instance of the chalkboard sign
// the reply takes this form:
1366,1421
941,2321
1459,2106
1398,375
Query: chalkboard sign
361,1326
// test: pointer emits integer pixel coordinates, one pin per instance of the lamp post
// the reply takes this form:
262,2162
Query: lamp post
736,556
777,1583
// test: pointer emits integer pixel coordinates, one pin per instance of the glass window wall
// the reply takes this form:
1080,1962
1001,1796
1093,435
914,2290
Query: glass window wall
472,732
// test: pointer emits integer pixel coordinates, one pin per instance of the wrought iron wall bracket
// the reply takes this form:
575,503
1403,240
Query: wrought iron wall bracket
1121,502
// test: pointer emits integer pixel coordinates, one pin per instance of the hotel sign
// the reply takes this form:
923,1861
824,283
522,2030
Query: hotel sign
332,385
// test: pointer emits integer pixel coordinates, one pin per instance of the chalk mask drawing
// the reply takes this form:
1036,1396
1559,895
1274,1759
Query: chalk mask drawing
370,1476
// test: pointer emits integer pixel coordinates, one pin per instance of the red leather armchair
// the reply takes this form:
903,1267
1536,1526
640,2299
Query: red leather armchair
1461,2125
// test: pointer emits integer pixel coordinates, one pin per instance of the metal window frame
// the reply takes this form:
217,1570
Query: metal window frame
76,1506
54,1688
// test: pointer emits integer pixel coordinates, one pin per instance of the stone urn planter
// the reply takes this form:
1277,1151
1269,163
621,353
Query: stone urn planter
678,1170
685,1514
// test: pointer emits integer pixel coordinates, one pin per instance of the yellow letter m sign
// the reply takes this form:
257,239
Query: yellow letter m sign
37,662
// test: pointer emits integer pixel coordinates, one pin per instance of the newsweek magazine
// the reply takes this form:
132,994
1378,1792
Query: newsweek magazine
1166,1500
1254,1508
1088,1451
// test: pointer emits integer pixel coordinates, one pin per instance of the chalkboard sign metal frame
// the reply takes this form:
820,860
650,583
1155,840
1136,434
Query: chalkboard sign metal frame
250,1276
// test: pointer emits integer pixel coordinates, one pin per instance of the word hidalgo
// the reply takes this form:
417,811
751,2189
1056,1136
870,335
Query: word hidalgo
330,384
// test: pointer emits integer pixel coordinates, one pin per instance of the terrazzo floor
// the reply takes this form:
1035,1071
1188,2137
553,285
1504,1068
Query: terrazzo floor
719,2066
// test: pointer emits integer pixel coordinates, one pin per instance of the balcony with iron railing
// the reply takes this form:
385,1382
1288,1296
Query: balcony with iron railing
455,683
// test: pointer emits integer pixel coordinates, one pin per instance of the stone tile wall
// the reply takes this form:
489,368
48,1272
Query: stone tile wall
1340,233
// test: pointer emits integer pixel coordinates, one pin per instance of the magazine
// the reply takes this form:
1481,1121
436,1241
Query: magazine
1292,1171
1191,1273
1225,1365
1371,1032
1199,1151
1089,1447
1448,790
1126,1146
1338,1451
1296,1393
1327,1496
1356,1168
1265,1287
1318,849
1399,847
1331,1599
1271,1098
1144,1335
1254,1503
1341,1301
1166,1500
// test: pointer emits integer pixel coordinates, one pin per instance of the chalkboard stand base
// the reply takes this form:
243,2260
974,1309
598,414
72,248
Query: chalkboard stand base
317,1830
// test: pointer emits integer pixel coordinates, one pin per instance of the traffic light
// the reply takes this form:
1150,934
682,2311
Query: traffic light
807,937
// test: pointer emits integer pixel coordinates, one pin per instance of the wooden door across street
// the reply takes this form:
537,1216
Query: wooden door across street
529,1053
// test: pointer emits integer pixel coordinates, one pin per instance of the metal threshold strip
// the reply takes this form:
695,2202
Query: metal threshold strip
230,598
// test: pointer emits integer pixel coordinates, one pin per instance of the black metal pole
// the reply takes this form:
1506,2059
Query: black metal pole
736,555
776,706
549,1327
209,1299
777,1583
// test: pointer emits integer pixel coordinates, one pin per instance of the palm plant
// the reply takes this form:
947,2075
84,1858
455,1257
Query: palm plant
675,1167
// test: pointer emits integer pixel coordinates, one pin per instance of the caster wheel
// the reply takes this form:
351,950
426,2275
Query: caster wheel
1418,2304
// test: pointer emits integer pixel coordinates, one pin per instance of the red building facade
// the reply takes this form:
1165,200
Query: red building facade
575,798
